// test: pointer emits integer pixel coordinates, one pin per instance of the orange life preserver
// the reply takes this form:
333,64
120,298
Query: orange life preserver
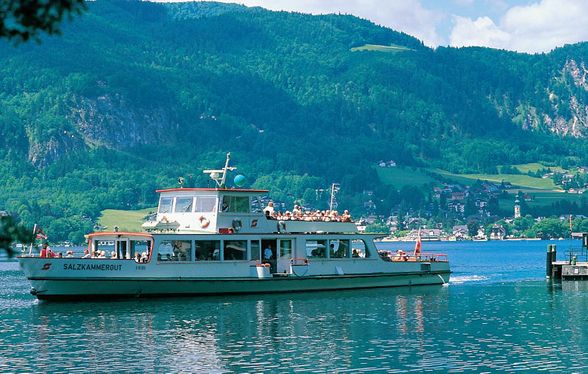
204,222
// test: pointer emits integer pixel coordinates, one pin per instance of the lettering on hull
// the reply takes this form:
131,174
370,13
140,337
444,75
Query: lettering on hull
102,267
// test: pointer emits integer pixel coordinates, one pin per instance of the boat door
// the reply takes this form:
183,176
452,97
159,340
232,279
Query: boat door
285,247
122,248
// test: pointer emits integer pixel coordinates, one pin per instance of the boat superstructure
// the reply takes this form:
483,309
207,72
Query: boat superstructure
219,240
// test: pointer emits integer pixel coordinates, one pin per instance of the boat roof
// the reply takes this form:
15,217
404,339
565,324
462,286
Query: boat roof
119,233
241,190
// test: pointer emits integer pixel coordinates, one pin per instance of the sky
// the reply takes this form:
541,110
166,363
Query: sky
531,26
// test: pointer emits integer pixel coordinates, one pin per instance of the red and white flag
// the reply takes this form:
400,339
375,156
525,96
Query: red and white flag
39,233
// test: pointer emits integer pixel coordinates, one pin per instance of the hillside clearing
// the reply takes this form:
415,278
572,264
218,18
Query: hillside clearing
125,220
381,48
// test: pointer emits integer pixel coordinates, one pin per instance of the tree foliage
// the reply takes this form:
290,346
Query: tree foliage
22,20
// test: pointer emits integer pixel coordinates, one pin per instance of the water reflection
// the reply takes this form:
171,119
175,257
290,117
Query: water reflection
482,324
304,332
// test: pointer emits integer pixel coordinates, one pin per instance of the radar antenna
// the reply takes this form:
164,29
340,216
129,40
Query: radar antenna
220,176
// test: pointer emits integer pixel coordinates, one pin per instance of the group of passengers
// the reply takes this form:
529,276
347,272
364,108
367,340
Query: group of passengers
299,214
139,257
47,252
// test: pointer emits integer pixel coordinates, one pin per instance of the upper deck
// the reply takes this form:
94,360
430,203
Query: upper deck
231,210
206,210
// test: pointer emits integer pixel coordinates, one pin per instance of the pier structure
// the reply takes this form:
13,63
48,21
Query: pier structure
574,267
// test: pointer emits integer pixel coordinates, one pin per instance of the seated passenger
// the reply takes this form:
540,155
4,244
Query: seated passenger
113,255
137,257
69,253
346,217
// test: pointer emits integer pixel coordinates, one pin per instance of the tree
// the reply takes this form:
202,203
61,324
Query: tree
10,232
22,20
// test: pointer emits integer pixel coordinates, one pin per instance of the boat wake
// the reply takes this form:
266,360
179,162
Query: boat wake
467,278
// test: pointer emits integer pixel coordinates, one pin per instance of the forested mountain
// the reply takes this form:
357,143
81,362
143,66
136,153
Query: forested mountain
135,94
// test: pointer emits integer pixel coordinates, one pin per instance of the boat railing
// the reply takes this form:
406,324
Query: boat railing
401,256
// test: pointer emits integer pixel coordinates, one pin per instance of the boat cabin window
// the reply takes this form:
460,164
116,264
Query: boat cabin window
165,205
359,249
235,204
286,248
316,248
139,246
205,204
174,250
235,250
208,250
339,248
184,204
106,246
255,250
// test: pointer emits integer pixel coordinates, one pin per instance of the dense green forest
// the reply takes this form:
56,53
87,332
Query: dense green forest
135,94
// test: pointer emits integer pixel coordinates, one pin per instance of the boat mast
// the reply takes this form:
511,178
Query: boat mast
220,176
334,189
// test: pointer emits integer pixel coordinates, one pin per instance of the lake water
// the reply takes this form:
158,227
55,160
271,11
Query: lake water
497,314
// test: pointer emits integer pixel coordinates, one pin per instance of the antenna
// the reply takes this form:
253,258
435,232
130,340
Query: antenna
220,176
334,189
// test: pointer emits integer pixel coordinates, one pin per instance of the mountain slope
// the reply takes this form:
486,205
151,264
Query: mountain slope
135,94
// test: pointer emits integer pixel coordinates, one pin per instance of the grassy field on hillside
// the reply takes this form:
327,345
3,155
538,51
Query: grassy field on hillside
546,198
126,220
400,177
520,180
534,166
381,48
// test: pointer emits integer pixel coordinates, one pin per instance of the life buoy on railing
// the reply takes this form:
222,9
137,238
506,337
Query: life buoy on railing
204,222
237,225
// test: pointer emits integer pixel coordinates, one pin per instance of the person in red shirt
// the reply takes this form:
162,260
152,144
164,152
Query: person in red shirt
46,251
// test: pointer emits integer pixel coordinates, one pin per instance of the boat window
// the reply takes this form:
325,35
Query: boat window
316,248
174,250
255,250
235,204
106,246
140,247
184,205
208,250
165,205
286,248
339,248
359,249
205,204
235,250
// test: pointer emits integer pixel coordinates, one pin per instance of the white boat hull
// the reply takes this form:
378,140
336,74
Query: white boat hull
99,282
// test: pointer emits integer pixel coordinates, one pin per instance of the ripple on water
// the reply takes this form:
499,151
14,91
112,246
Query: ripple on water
476,324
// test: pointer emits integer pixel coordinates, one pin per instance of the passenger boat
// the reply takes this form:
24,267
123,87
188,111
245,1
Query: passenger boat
210,241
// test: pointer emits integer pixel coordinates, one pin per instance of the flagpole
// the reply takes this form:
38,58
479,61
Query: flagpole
34,233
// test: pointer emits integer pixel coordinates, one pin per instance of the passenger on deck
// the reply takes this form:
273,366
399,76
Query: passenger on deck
346,217
113,255
46,251
269,210
69,253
